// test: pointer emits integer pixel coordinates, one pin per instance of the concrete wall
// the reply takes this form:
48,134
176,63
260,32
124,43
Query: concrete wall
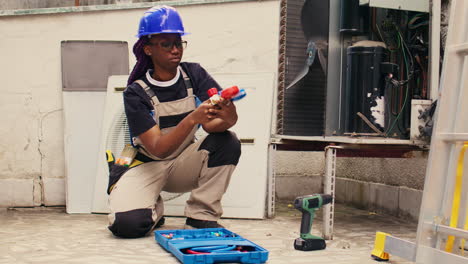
228,37
390,185
32,4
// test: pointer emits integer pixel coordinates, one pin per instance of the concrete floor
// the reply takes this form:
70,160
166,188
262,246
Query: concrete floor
49,235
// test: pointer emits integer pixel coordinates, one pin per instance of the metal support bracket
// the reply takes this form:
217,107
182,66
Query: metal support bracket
329,188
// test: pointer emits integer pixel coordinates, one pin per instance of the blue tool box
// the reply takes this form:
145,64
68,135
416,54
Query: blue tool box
210,245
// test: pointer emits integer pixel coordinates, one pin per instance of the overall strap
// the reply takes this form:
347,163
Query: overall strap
149,92
187,82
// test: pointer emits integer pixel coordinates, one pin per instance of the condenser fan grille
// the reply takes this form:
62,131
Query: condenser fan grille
119,136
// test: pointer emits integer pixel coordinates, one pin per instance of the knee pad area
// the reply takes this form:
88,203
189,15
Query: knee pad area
132,224
224,149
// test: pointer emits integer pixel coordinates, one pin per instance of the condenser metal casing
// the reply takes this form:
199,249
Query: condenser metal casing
342,91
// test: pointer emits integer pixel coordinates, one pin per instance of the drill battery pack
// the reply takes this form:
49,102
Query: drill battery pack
309,244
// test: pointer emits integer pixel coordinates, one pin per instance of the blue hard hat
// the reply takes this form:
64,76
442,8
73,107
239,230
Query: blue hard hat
161,19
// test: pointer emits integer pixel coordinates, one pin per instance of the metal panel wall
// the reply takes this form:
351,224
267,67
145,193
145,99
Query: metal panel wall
95,60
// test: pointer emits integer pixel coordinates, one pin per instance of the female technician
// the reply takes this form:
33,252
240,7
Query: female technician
161,107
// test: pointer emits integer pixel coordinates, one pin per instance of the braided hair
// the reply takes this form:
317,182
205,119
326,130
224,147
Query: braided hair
143,63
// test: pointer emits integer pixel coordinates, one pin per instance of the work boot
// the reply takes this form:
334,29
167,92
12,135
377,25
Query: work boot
160,222
191,223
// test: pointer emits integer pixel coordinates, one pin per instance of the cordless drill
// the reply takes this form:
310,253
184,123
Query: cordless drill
308,204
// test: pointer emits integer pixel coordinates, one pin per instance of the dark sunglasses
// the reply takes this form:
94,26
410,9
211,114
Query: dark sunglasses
168,45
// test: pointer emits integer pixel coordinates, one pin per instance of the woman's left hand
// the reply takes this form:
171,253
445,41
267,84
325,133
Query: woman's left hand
226,111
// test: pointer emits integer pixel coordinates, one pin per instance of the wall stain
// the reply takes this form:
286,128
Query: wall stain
27,145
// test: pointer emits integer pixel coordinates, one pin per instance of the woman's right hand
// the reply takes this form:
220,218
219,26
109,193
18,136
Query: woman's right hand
202,115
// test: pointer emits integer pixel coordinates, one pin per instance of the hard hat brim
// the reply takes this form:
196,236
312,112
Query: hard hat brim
168,32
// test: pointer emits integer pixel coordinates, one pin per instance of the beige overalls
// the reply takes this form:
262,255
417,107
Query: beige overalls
203,167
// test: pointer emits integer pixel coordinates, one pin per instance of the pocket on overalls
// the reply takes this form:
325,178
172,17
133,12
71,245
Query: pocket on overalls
116,171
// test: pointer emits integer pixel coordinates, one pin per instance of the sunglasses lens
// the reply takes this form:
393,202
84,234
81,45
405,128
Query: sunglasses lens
181,44
166,45
169,45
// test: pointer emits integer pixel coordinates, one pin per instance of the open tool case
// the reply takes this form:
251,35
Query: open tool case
210,245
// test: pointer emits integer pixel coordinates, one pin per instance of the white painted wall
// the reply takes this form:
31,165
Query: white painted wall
227,37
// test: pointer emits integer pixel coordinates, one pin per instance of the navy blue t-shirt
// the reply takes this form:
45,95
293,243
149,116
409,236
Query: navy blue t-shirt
138,105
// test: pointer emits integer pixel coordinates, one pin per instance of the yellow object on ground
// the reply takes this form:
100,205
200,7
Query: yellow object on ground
379,247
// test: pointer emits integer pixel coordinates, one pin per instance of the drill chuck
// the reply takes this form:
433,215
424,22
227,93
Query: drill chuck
314,201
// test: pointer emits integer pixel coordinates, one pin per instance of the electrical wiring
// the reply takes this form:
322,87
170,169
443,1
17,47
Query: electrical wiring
404,34
406,93
399,114
386,41
410,61
424,23
409,53
415,18
396,84
419,47
412,21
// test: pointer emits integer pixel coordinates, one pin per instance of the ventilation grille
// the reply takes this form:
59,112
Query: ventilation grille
119,136
301,109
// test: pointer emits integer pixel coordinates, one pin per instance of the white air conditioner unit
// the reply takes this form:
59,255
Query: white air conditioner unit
247,192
